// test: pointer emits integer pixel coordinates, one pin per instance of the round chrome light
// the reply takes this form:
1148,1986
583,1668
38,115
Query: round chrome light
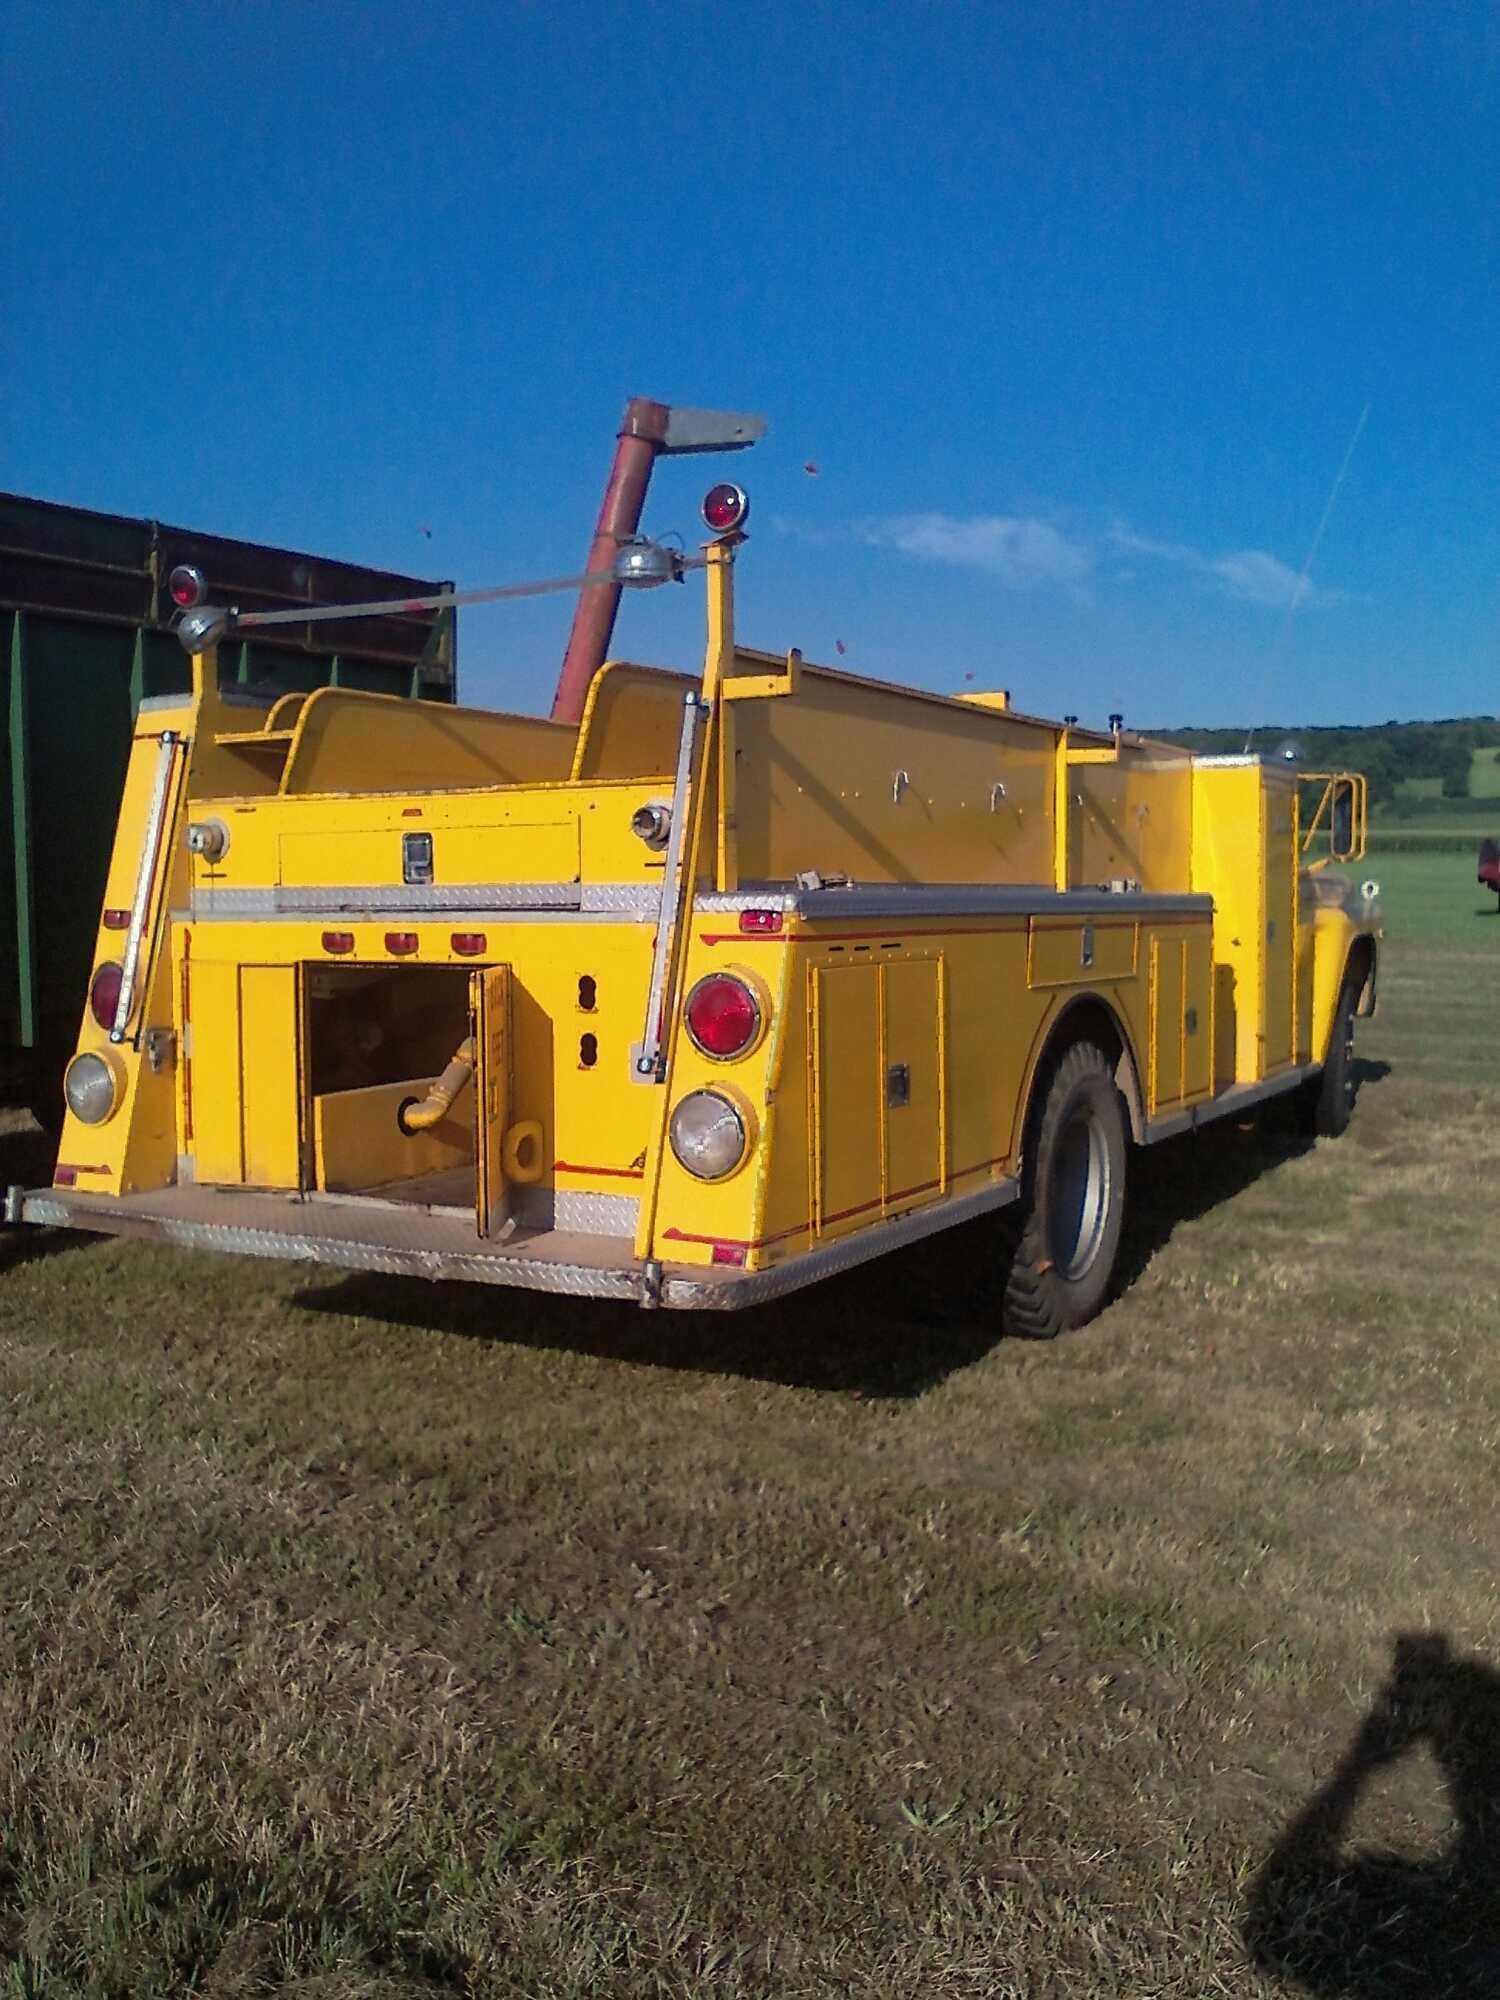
726,508
723,1016
91,1086
201,628
187,586
104,994
652,824
708,1135
641,565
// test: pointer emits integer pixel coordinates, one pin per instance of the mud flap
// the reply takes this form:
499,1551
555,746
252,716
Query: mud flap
489,1024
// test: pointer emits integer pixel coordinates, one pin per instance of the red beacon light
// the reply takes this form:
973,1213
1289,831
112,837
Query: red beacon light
726,508
187,587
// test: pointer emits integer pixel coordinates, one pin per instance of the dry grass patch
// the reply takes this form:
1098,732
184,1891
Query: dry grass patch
370,1639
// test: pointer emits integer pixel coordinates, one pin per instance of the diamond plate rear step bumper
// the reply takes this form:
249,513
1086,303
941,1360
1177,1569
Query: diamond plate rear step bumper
403,1240
396,1238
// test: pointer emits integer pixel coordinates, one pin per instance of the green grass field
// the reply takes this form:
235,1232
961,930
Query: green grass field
1484,782
362,1640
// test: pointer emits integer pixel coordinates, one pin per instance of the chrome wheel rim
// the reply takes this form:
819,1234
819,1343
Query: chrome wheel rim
1078,1211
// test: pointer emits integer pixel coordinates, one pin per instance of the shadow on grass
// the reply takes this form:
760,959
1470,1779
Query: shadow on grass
1372,1925
27,1154
896,1327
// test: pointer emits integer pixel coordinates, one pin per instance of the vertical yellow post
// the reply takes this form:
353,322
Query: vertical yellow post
1060,811
718,665
718,661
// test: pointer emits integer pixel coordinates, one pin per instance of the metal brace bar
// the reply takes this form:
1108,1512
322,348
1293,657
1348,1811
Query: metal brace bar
145,881
648,1060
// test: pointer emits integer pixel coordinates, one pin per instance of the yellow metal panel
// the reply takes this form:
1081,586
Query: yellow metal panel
1333,935
270,1083
328,842
1134,820
213,1000
849,1096
991,1020
1280,918
347,740
358,1143
1229,865
489,1016
542,851
1166,1019
631,722
914,1167
888,785
1197,1012
136,1147
1065,952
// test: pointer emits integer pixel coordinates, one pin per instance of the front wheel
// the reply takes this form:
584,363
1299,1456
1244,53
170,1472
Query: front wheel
1074,1196
1331,1097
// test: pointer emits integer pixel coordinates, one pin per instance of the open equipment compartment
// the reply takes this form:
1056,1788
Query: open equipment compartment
379,1038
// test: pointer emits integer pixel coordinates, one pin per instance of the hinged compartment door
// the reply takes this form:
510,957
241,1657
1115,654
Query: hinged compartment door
913,1166
489,1024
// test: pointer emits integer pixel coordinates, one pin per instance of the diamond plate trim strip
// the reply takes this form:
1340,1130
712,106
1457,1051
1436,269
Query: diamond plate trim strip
527,1273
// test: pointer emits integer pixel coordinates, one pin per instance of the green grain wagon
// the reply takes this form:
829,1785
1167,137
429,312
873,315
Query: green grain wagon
85,634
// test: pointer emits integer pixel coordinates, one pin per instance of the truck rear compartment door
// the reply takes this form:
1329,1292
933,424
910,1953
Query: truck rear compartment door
489,1024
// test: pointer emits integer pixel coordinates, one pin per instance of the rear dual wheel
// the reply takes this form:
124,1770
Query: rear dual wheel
1073,1199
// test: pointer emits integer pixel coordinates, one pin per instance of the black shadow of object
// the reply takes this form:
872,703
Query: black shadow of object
26,1158
1379,1926
895,1327
851,1334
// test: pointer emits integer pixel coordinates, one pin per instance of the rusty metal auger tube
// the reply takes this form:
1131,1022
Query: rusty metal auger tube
440,1098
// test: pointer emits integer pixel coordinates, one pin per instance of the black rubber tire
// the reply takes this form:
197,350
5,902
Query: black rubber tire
1073,1199
1331,1099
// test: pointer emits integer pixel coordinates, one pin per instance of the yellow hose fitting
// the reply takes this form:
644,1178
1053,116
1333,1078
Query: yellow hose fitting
438,1102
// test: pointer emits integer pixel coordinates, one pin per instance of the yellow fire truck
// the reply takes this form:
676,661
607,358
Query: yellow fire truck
738,979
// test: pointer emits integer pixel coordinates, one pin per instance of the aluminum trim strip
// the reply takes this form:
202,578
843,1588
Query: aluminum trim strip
721,1290
525,1273
209,902
455,917
466,895
980,899
640,901
1241,1097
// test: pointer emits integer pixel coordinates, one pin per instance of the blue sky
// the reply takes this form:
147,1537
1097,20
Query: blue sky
1077,309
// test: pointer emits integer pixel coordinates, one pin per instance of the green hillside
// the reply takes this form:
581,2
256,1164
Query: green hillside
1448,769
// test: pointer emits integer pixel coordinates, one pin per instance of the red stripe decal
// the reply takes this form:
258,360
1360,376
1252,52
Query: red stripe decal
803,1228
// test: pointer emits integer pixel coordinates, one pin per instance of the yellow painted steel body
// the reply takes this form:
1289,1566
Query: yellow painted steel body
923,897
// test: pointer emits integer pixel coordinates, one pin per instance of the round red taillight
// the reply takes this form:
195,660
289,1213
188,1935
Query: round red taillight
104,993
725,508
187,586
723,1015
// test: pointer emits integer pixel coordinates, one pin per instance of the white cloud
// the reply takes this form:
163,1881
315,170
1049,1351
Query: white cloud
1263,579
1253,575
1019,551
1024,551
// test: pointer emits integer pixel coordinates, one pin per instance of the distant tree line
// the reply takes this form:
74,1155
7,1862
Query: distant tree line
1387,752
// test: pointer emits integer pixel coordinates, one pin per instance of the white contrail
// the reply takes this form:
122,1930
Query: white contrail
1299,588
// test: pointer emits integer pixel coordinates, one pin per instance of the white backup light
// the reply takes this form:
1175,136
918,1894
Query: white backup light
90,1088
708,1135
